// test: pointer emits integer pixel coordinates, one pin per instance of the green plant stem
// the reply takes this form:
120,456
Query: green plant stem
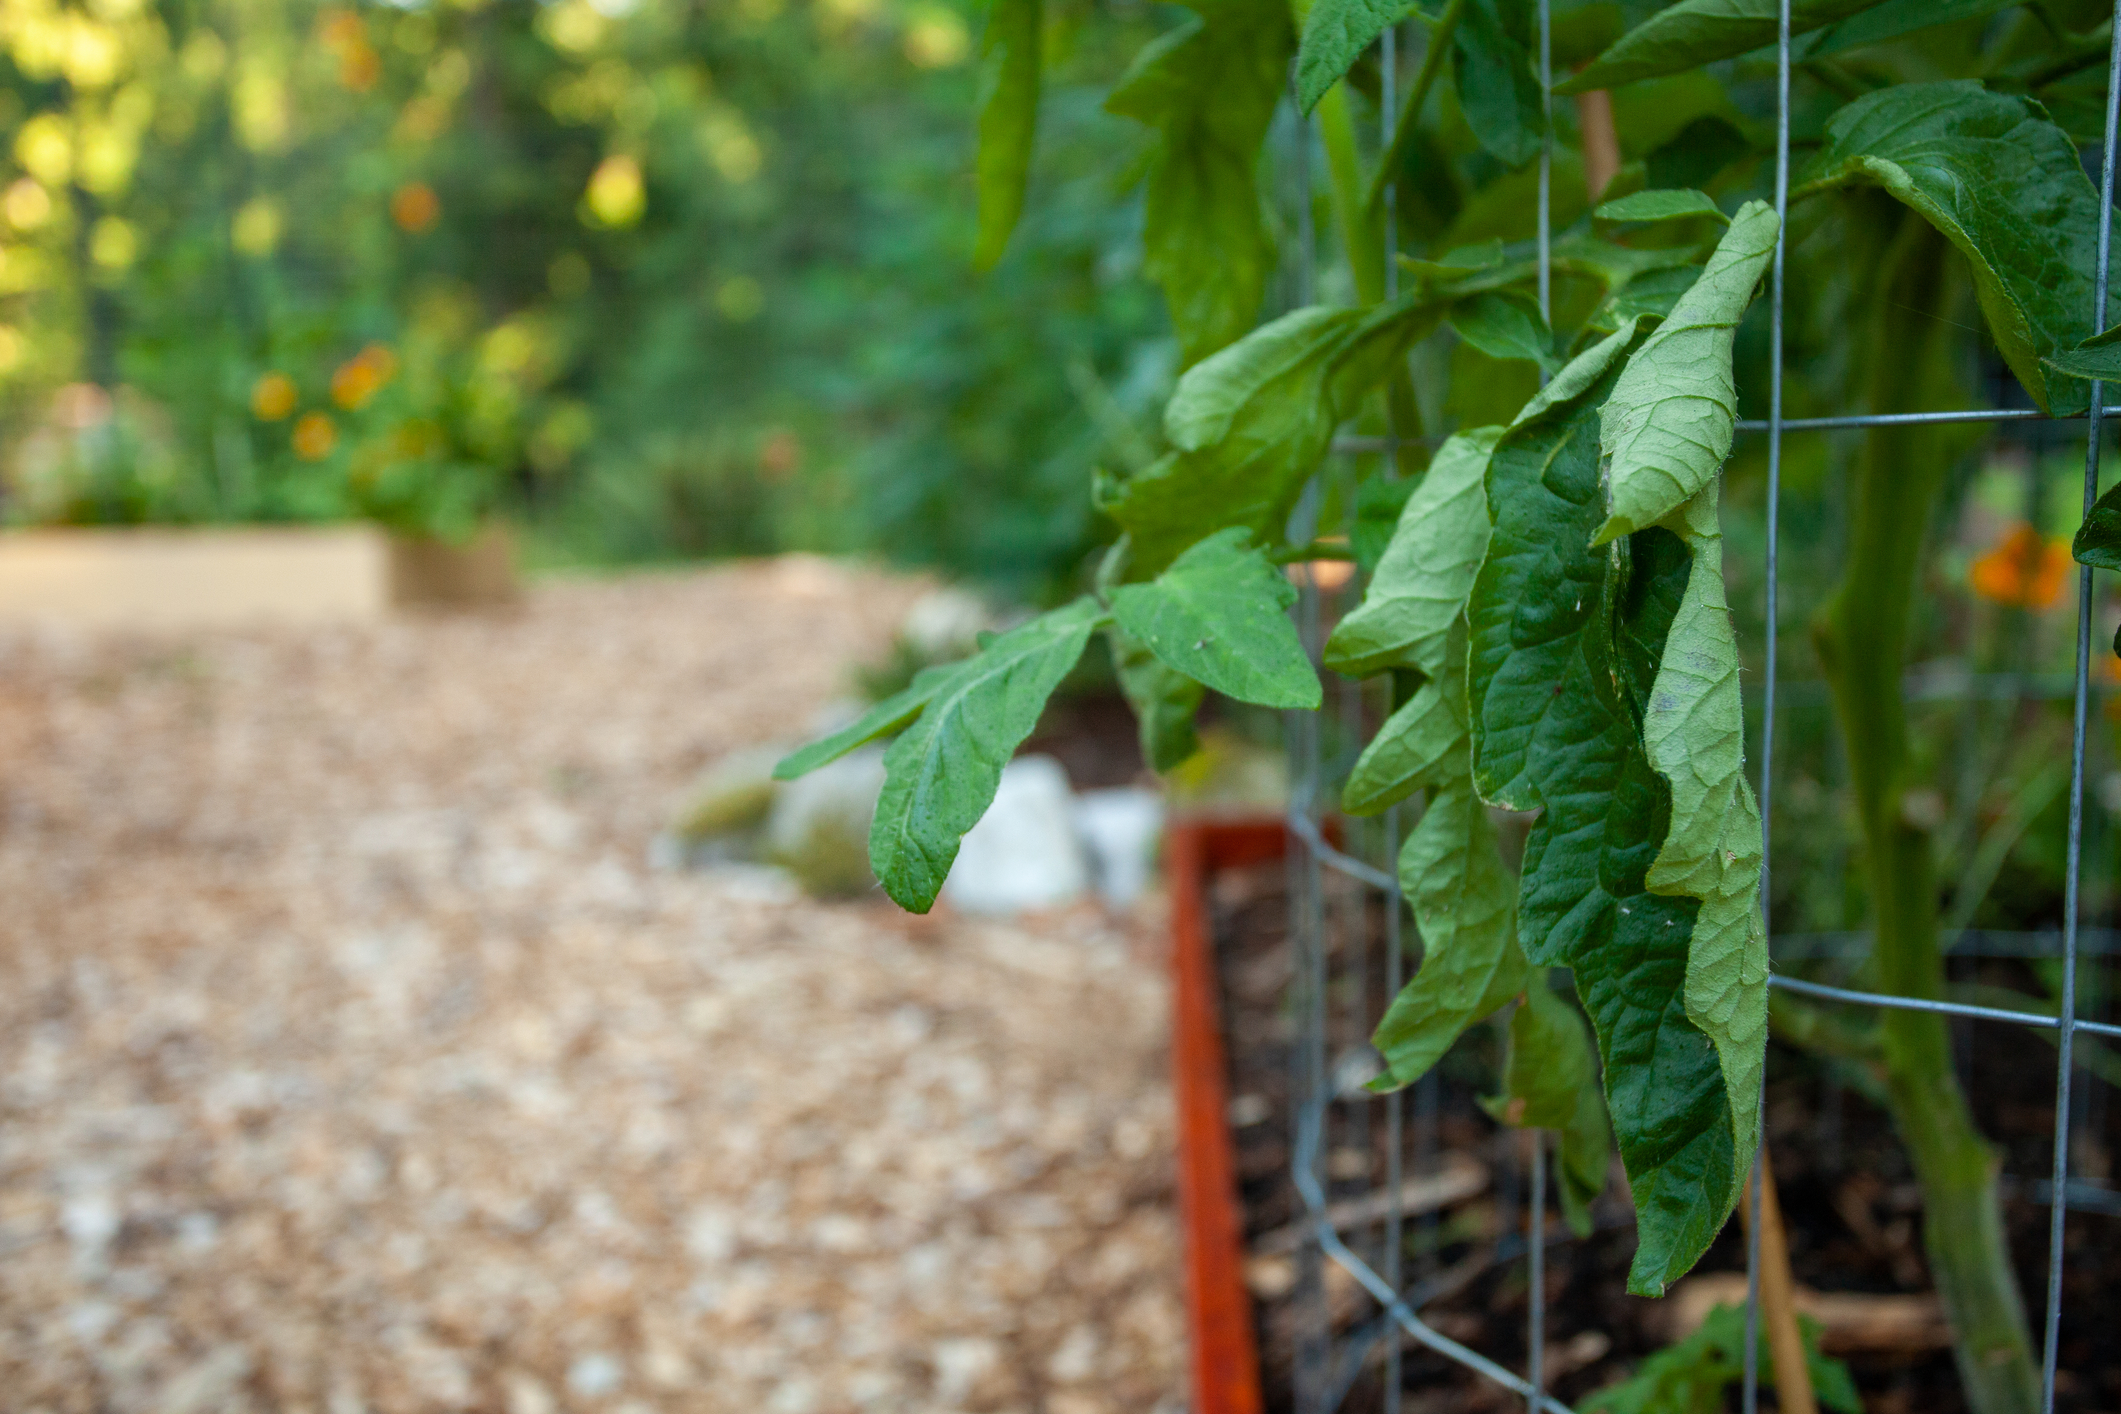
1863,639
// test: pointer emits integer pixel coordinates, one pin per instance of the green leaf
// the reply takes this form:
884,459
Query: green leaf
2098,541
1668,426
1253,422
1210,90
940,775
1421,583
1424,735
1008,121
1165,702
1498,89
1220,615
2097,359
1453,876
883,719
1694,731
1457,263
1660,206
1550,1081
1696,32
2000,182
1691,1375
1335,34
1697,154
1565,641
1506,328
1898,17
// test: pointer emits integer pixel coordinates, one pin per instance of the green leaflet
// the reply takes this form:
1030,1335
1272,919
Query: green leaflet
1008,121
1505,328
1210,90
1691,1375
1335,34
1454,879
1564,643
883,719
1220,615
2000,182
1549,1081
2097,358
1497,86
940,775
1424,735
1251,424
1660,206
1667,428
1422,581
2098,540
1895,18
1696,32
1694,731
1164,700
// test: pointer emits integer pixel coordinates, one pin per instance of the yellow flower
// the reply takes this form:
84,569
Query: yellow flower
272,397
616,195
315,436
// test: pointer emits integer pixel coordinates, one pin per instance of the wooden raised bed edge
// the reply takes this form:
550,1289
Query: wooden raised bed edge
1223,1358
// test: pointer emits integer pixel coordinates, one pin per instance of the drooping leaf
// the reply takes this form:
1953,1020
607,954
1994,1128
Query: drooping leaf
1220,615
940,775
1253,422
1008,120
1660,206
1692,1374
883,719
1421,583
1696,32
1895,18
1165,702
1336,32
1694,731
1667,428
1497,86
1550,1081
1427,731
1565,641
1210,90
2000,182
2098,540
1504,328
1454,879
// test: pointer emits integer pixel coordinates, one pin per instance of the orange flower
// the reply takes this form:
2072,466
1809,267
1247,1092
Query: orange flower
272,397
358,379
315,436
360,66
415,207
2023,570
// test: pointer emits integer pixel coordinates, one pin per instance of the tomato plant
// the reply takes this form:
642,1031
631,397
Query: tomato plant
1547,616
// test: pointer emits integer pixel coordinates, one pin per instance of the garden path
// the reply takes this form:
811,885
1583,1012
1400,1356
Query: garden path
353,1058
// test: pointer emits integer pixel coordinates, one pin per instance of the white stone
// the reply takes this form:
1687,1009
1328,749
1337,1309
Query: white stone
818,828
1024,853
593,1375
945,624
1120,828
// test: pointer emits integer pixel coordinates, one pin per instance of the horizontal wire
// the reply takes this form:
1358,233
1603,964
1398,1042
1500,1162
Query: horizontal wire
1919,419
1976,1013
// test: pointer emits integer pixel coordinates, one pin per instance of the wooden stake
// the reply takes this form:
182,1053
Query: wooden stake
1778,1306
1601,141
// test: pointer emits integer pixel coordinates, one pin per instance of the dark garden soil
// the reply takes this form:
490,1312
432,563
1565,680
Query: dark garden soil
1851,1204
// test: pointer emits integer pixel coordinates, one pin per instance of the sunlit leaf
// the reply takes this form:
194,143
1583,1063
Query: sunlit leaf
1667,428
1220,615
1008,120
941,774
883,719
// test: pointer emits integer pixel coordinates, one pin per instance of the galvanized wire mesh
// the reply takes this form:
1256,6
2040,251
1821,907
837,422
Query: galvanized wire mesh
1328,881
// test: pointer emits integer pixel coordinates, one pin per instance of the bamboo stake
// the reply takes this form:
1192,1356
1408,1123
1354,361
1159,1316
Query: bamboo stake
1778,1305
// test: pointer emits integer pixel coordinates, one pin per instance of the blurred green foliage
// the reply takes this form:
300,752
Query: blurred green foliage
657,279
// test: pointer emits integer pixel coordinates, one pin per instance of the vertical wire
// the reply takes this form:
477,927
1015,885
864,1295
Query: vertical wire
1773,609
1536,1312
2058,1195
1396,1102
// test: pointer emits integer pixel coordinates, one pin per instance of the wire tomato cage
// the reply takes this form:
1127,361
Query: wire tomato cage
1325,880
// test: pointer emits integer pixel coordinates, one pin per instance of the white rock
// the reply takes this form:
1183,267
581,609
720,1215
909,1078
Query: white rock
818,829
1024,853
1120,828
945,624
593,1375
526,1395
